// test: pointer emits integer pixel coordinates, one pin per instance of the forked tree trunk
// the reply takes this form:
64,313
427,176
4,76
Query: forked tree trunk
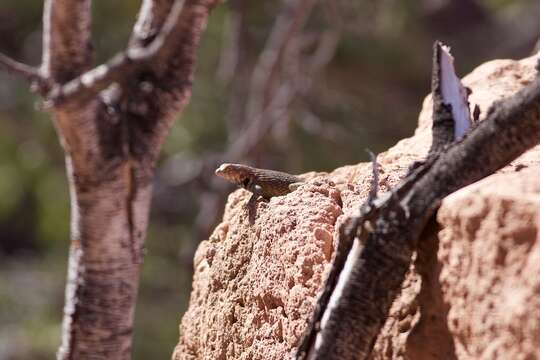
111,121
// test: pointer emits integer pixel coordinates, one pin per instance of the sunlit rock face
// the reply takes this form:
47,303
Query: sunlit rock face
490,248
471,293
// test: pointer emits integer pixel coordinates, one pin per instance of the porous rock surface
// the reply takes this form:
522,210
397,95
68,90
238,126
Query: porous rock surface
472,292
490,248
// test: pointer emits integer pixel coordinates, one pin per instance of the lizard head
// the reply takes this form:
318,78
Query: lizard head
236,173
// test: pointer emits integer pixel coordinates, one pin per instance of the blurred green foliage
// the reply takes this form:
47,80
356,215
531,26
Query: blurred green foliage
368,96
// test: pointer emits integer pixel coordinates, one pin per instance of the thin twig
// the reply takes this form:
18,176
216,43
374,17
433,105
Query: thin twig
12,66
26,72
375,173
287,25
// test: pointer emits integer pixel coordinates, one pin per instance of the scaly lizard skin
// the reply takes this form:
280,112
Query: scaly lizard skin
266,183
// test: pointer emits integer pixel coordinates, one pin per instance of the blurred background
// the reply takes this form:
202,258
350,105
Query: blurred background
293,85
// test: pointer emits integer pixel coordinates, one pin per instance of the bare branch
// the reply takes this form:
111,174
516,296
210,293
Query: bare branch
91,82
235,39
122,64
236,66
269,98
155,54
24,71
325,51
363,295
290,20
118,68
375,173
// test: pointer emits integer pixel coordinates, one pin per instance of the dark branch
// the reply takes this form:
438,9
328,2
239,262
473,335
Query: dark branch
364,293
118,68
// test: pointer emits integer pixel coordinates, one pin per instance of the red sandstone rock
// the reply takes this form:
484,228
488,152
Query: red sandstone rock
490,248
472,293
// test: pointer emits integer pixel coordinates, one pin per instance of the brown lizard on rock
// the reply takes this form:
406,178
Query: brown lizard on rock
261,182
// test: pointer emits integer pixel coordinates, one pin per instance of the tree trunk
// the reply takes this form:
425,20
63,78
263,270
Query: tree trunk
111,121
110,201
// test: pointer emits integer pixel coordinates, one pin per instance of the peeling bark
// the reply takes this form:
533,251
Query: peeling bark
451,114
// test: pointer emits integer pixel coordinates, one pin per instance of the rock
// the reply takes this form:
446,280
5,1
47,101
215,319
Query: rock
256,277
471,293
490,248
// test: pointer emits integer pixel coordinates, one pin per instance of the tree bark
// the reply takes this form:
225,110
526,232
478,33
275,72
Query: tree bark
111,121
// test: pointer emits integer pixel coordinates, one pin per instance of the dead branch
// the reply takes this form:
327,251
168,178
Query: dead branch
24,71
325,51
386,236
290,20
119,67
451,114
233,53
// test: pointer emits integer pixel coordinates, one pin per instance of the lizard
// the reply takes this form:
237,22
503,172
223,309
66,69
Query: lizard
261,182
